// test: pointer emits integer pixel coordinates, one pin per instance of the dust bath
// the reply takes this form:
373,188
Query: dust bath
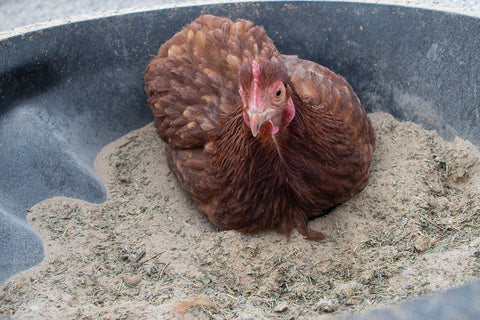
413,230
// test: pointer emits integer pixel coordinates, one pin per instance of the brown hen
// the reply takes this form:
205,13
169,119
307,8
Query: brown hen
257,139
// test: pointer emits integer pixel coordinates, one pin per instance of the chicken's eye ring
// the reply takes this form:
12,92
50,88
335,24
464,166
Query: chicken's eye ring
280,93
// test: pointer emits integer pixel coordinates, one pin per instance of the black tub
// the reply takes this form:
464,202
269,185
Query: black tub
67,91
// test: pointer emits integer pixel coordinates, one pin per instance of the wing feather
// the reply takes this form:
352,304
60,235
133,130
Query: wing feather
195,77
326,91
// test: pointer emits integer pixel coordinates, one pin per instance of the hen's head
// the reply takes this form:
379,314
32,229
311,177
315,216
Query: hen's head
266,96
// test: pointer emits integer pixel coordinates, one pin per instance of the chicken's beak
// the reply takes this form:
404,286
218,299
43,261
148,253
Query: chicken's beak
257,119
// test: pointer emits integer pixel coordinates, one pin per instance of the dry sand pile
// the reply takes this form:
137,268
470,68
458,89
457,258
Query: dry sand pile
413,230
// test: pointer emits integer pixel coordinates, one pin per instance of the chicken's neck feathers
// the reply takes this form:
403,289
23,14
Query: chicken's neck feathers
279,151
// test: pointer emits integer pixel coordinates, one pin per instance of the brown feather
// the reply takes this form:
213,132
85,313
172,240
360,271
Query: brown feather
320,159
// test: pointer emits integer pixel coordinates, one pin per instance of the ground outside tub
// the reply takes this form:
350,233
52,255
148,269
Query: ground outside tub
68,90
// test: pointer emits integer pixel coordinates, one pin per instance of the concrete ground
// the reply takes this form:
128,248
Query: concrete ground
18,13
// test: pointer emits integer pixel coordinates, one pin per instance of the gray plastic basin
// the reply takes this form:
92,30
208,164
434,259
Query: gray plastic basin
67,91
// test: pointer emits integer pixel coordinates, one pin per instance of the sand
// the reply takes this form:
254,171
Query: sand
413,230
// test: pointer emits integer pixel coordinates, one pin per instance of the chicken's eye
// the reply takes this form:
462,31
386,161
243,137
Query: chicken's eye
279,93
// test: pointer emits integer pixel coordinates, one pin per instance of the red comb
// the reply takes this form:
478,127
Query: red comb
256,80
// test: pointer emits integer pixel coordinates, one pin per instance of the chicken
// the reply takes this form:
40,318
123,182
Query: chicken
257,139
